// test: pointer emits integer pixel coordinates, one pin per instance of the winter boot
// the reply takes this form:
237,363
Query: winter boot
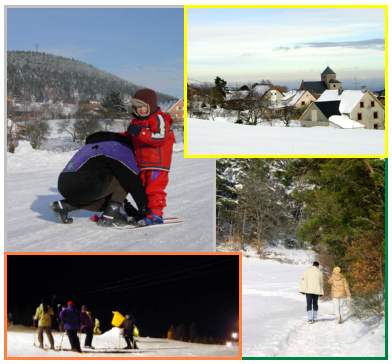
134,214
310,317
314,316
61,208
113,215
151,219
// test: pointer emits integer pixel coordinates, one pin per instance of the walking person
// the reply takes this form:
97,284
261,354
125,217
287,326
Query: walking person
71,318
43,316
340,292
128,326
87,326
312,286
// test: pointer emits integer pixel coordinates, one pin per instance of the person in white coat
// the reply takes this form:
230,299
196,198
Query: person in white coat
312,286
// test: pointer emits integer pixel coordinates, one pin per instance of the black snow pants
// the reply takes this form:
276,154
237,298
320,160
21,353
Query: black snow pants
311,302
99,180
74,340
89,337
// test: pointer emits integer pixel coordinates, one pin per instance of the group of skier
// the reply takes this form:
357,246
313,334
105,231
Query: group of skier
112,165
72,321
312,285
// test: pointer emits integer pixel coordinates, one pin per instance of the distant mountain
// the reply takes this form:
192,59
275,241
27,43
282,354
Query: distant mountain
41,76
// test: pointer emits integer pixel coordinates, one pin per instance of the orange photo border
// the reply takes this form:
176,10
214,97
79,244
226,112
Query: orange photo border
237,357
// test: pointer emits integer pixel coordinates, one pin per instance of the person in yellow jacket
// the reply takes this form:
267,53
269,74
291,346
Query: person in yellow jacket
312,286
340,292
43,316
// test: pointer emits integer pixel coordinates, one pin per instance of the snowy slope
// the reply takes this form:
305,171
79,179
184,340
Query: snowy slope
20,344
274,315
220,137
31,184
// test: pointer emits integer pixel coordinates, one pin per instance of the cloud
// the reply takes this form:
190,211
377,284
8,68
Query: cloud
377,44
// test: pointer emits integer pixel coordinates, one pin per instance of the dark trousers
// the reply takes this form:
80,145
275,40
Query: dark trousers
73,339
311,302
99,180
131,343
48,333
89,337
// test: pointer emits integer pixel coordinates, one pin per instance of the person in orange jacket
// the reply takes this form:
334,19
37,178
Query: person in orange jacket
153,139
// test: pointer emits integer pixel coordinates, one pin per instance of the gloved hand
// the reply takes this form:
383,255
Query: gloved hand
134,129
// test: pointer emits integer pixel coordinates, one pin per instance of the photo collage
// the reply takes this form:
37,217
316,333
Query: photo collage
202,182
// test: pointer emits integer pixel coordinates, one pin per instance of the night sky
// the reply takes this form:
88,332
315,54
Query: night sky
159,290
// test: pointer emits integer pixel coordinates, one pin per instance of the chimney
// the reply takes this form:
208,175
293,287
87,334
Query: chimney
364,89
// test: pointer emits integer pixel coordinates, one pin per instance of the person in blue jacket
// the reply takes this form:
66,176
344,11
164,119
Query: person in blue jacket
70,317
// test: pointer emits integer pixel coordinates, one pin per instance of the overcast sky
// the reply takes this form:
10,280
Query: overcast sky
144,46
285,45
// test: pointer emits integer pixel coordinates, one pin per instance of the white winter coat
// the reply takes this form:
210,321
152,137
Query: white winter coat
312,281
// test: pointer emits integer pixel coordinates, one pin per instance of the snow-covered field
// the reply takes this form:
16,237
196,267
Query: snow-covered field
274,315
223,137
20,343
31,185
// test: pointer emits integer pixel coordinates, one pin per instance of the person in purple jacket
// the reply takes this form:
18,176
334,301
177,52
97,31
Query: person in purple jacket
98,178
71,318
87,326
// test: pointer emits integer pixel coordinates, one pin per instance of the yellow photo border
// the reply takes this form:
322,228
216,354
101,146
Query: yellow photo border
188,155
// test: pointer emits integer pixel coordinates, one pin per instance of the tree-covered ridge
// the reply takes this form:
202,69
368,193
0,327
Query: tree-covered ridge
41,77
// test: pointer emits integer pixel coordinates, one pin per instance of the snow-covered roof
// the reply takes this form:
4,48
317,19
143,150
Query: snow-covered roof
344,122
293,96
348,99
236,95
261,90
329,95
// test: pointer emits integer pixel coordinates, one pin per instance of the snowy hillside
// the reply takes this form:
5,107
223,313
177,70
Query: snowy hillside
31,185
222,137
274,314
20,342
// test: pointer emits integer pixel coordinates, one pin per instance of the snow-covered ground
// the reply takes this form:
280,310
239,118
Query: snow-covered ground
20,343
31,185
222,137
274,314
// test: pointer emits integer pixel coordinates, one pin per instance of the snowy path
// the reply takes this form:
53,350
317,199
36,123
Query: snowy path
274,318
30,226
20,344
223,137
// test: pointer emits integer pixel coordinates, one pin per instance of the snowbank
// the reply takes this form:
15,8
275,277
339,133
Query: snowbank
222,137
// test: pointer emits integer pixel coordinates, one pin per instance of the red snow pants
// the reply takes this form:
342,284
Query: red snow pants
155,182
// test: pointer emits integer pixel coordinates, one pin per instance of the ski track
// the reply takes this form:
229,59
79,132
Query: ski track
275,323
20,343
30,225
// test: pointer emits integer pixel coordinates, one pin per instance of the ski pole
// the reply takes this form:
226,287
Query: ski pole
61,341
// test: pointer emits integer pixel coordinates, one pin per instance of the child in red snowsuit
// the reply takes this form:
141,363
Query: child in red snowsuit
153,141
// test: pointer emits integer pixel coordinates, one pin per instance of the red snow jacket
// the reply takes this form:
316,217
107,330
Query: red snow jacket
154,144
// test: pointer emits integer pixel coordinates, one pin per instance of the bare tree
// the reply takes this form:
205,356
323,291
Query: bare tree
36,133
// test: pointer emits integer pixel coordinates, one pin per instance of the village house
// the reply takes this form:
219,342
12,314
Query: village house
176,111
328,82
297,99
357,105
267,94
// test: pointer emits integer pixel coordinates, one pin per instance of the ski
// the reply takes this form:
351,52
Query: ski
166,221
